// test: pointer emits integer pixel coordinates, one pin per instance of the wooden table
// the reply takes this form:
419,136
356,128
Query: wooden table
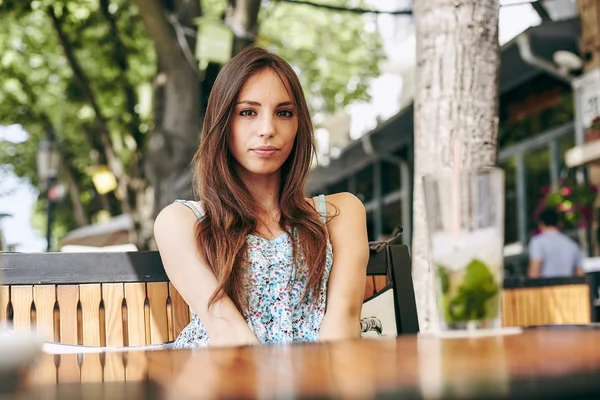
539,363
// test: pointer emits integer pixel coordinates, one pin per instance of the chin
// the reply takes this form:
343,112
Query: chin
263,169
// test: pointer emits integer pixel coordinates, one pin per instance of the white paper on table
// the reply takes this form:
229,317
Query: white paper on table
59,348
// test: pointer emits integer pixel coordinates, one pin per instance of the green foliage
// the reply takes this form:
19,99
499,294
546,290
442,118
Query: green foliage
38,91
573,203
475,297
334,54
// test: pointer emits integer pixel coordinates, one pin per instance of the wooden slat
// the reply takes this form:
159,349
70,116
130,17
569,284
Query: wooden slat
181,311
44,297
91,369
112,295
506,309
114,367
135,295
548,303
157,297
380,282
22,299
68,297
564,304
90,297
4,300
68,369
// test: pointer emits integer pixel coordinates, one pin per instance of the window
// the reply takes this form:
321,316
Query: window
341,186
390,177
392,217
532,108
565,144
537,176
370,226
364,184
511,215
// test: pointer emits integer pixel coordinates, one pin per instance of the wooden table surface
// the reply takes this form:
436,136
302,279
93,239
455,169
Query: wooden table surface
538,363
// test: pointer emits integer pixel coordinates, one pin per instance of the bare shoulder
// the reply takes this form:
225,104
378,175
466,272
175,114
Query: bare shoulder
344,204
174,222
348,231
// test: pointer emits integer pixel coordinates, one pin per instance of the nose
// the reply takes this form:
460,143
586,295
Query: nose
267,127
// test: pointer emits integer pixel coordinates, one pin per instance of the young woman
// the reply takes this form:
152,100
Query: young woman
257,261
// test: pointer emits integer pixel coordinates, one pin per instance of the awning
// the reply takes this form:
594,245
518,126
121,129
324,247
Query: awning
544,40
115,231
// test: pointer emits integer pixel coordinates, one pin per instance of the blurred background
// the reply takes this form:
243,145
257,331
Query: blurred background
100,116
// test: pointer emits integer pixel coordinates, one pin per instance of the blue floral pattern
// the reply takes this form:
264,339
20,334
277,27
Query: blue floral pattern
276,310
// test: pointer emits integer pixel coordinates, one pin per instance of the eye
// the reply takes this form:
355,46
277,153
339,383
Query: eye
285,114
247,113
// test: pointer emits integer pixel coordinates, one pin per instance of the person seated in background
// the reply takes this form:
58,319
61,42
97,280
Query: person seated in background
552,254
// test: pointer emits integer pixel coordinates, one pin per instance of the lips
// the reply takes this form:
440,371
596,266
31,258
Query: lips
265,151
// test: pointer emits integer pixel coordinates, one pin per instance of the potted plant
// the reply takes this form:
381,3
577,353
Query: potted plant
574,204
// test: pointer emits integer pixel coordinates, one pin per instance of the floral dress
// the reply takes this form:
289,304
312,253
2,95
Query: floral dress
274,287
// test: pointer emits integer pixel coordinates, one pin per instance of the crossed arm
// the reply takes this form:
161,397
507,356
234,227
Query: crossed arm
187,269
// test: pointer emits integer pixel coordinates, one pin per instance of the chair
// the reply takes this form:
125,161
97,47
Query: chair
389,295
125,299
92,299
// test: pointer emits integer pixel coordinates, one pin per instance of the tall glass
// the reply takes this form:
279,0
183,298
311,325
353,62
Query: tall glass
465,216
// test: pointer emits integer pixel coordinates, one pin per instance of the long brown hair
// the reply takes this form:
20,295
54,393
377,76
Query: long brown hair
230,209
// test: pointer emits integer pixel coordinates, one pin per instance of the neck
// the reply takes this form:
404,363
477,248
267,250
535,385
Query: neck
549,229
265,191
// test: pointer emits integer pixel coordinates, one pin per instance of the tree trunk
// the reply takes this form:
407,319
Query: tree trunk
242,18
176,97
456,101
178,100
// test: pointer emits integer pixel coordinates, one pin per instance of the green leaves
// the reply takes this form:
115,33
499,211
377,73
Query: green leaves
469,295
333,52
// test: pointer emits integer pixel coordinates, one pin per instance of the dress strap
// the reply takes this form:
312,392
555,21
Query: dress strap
194,206
320,206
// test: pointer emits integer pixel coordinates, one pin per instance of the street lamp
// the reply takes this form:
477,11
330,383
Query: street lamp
48,162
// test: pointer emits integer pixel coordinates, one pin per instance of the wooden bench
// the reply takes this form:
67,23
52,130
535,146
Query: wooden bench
549,301
92,299
125,299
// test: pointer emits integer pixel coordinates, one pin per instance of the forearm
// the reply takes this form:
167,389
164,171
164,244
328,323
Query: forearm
226,326
535,269
340,327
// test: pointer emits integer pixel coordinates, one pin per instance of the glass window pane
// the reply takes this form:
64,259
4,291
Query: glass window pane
341,186
364,184
370,226
511,230
565,144
537,176
390,177
392,217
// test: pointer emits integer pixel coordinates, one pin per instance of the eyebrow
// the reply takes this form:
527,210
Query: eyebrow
256,103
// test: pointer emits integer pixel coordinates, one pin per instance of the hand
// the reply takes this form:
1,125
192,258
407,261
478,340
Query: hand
234,337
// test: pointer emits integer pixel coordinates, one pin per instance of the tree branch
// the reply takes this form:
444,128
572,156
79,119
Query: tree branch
120,55
160,31
113,161
242,18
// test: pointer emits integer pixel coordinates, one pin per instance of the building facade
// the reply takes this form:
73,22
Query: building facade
536,130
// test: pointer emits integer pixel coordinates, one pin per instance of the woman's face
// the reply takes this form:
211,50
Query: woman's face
264,125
